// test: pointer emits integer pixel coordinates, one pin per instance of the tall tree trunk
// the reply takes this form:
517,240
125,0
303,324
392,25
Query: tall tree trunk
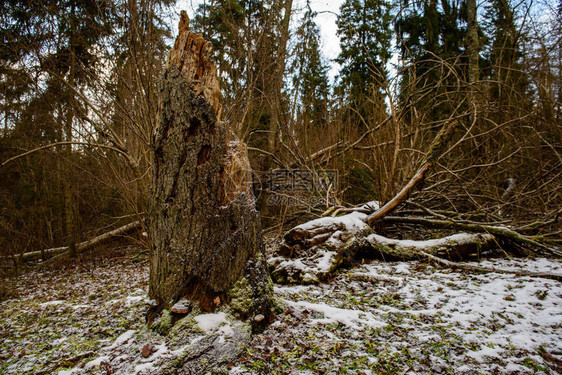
69,216
473,45
277,83
559,47
204,230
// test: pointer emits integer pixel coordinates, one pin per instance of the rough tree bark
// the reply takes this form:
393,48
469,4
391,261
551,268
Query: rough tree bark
204,230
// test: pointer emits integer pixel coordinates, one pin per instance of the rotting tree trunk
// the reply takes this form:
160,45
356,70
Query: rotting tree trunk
204,230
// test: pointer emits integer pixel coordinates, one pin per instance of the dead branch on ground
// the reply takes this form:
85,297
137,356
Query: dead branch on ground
83,245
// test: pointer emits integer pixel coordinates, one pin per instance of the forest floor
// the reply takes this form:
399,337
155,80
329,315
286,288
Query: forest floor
401,317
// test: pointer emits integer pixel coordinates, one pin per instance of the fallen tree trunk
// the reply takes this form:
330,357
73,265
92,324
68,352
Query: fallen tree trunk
454,246
312,251
499,231
83,245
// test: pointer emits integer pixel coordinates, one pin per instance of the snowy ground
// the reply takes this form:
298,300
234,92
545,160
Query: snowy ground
374,318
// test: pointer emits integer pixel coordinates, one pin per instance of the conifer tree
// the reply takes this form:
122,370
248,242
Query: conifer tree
310,79
365,36
510,84
430,34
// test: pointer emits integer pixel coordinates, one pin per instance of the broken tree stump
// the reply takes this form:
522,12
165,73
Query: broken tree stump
205,233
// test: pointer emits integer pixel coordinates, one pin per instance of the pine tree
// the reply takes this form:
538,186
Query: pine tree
510,84
365,36
430,34
428,30
310,73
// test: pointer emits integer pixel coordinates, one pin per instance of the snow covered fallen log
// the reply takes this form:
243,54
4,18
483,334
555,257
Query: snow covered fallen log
499,231
83,245
455,246
312,251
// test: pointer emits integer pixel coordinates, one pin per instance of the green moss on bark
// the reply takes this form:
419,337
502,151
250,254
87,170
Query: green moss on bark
241,298
164,323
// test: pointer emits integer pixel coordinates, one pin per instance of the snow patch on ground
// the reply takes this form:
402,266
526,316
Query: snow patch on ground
209,323
96,362
430,320
539,265
375,318
351,318
123,338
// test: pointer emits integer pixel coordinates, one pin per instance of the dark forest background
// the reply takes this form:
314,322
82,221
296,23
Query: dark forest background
79,101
